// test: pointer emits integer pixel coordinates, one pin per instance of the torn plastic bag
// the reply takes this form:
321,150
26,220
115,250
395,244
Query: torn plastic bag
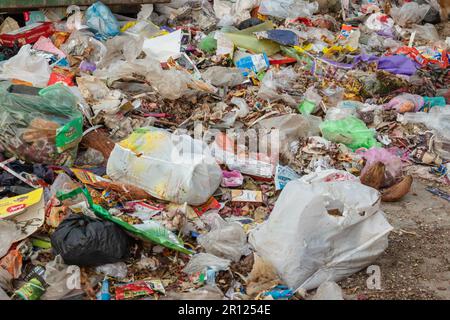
100,18
27,67
201,261
84,241
44,128
322,231
147,231
225,239
170,167
8,235
288,8
61,278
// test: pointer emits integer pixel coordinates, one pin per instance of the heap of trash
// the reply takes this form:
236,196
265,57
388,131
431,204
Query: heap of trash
213,149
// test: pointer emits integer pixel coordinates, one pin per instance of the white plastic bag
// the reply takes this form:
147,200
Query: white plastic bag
170,167
27,67
322,231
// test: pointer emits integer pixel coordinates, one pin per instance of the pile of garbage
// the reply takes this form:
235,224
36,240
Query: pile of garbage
213,149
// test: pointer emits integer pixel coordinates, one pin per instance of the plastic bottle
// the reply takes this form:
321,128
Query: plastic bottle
104,291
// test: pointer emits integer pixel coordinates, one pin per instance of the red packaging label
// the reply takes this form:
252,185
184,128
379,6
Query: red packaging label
27,35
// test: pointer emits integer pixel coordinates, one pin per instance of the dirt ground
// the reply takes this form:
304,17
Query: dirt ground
416,264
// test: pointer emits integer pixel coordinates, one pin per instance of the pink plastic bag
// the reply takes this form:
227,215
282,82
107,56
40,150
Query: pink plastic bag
405,102
392,163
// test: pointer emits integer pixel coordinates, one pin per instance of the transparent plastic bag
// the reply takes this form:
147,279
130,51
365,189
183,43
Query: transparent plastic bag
409,13
201,261
61,278
437,119
117,270
27,67
170,167
426,32
343,110
81,42
225,239
100,18
44,128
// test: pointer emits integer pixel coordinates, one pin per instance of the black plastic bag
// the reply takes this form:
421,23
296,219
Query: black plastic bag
84,241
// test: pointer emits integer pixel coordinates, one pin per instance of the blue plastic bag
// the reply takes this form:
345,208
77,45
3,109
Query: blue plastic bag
100,18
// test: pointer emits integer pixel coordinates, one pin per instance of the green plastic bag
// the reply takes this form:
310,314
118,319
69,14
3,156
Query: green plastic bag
208,44
153,232
40,128
350,131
